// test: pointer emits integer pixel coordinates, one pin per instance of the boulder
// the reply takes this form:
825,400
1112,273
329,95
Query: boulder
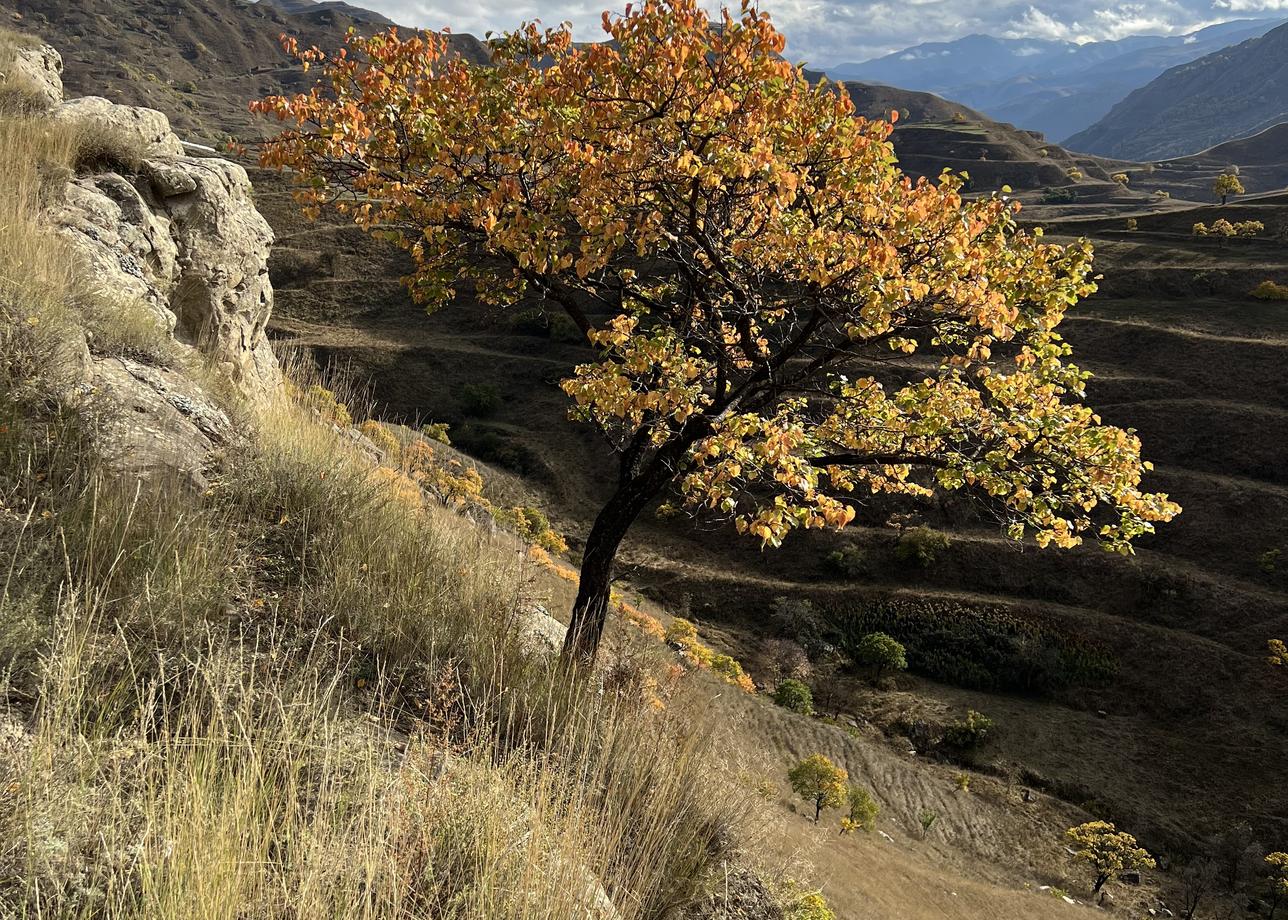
162,427
541,631
150,126
40,68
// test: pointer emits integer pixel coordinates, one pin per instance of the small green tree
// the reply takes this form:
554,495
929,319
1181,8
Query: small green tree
1225,185
882,652
921,545
1109,851
794,695
820,782
863,810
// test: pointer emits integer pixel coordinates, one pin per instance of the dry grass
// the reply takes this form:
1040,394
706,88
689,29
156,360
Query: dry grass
295,696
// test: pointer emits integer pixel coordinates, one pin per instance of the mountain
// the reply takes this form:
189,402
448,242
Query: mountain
312,8
1055,87
1233,93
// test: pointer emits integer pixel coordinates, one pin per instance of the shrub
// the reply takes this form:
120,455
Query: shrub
1132,223
730,670
819,782
959,118
798,618
1200,229
1058,196
963,781
1278,653
1249,228
1269,290
787,660
436,431
480,399
325,404
1108,851
921,545
969,732
1074,173
882,652
531,525
810,906
380,435
1161,195
794,695
927,818
1121,178
863,810
1222,228
850,560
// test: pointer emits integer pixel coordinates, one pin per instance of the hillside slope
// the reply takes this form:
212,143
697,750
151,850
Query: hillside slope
1232,93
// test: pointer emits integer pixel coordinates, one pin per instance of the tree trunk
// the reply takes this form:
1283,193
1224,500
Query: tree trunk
590,611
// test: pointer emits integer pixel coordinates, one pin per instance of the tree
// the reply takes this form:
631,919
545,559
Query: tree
738,248
1225,185
820,782
1121,178
863,810
1278,863
1197,879
1278,656
1110,852
882,652
794,695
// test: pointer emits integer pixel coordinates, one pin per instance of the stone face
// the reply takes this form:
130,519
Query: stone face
185,238
42,68
162,427
151,126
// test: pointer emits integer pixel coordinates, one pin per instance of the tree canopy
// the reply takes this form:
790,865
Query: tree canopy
1109,851
820,782
782,321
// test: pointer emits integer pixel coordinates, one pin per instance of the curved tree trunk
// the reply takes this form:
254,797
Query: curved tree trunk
590,611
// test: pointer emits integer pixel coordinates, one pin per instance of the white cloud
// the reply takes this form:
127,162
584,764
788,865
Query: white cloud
828,32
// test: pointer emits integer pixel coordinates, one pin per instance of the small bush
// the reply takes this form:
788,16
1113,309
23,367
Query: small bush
927,818
969,732
1121,178
480,399
921,545
1059,196
380,435
1200,229
1249,228
796,696
850,560
436,431
1269,290
1162,195
1132,224
1075,174
532,525
863,810
326,405
963,782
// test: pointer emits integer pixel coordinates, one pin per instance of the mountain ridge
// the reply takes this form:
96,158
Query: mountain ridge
1230,94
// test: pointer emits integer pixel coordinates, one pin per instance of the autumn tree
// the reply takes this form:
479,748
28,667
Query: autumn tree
1278,880
1278,653
782,321
1109,851
820,782
1225,185
863,810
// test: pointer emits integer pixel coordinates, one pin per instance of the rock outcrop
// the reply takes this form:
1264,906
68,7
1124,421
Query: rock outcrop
180,236
41,69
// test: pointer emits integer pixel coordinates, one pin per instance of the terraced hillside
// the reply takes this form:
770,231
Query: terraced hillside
1188,732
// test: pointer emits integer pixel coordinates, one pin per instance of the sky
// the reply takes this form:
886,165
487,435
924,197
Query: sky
829,32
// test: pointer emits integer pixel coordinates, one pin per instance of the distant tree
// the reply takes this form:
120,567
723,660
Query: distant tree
740,250
1197,879
1225,185
1201,229
1132,223
1278,653
820,782
969,732
794,695
881,651
787,660
1161,194
1121,178
863,810
1278,863
1108,851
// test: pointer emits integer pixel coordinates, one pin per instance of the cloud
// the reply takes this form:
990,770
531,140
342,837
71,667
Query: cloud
828,32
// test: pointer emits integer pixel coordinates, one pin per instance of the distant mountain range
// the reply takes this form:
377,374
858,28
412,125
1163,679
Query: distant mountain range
1057,87
1236,92
308,8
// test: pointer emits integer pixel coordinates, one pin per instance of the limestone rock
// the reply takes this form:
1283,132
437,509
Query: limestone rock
151,126
168,178
162,425
541,631
42,69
